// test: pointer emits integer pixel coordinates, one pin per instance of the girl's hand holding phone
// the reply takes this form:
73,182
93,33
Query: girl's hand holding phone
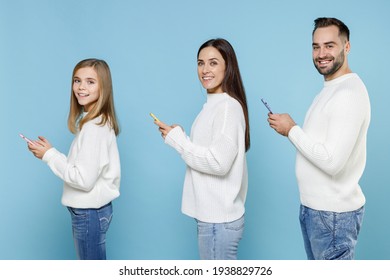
39,147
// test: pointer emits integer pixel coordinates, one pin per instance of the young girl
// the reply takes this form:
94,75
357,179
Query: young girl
91,171
216,179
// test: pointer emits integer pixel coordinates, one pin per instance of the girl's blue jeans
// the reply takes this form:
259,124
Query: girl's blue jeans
89,231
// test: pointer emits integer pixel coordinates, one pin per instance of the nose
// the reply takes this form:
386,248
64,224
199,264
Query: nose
205,68
321,52
81,85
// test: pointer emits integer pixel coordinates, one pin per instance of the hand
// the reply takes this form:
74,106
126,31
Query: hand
282,123
40,147
164,128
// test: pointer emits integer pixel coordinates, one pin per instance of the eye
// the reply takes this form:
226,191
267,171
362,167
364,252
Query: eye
213,63
91,82
329,46
315,48
200,63
76,81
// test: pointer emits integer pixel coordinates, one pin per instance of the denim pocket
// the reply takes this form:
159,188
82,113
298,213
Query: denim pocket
339,252
328,220
79,221
236,225
105,217
75,212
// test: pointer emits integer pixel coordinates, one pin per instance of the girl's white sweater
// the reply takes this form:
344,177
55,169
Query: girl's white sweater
91,171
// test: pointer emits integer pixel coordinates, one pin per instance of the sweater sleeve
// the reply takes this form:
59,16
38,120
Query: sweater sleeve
92,156
218,157
345,115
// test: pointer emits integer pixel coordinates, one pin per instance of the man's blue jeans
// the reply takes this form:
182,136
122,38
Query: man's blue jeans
89,231
219,241
330,235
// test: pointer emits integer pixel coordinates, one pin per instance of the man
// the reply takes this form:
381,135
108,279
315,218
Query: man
331,148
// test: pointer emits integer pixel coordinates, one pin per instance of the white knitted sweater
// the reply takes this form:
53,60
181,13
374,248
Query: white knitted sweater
331,146
91,171
216,178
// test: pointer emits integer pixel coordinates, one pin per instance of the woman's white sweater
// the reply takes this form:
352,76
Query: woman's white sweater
216,178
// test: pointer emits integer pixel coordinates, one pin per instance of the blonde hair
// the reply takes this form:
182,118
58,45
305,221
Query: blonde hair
103,107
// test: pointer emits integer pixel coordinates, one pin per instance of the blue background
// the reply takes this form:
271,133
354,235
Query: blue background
151,49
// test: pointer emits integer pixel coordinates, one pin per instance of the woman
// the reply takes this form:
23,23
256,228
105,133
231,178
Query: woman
216,179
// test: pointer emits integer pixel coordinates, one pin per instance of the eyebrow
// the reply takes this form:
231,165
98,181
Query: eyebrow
326,43
88,78
213,58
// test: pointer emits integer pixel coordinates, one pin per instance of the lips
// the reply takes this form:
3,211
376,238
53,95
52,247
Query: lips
82,94
324,61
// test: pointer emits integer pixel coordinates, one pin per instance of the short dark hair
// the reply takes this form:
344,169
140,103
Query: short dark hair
325,22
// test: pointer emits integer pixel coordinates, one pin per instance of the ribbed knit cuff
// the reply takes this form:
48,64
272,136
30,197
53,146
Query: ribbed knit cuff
49,155
292,134
175,138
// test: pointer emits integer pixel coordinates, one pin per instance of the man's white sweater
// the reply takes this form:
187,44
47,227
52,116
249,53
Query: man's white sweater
331,146
216,178
91,172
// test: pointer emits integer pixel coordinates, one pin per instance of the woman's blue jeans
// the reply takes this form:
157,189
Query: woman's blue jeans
330,235
89,231
219,241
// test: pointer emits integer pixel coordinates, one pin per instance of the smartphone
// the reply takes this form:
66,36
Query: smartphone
154,117
26,139
266,105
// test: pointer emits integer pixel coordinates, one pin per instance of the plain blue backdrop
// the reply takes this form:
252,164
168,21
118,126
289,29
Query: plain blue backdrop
151,49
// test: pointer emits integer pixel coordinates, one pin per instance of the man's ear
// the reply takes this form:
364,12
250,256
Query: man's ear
347,47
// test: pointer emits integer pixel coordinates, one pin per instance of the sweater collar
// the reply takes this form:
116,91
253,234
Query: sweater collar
339,79
215,97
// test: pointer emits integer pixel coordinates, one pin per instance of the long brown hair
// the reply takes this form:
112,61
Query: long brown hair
103,107
232,82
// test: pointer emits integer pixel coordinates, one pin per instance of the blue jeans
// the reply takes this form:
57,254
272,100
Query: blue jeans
330,235
89,231
219,241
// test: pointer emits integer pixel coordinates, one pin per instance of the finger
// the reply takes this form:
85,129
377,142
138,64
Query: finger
43,139
160,123
39,143
273,116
